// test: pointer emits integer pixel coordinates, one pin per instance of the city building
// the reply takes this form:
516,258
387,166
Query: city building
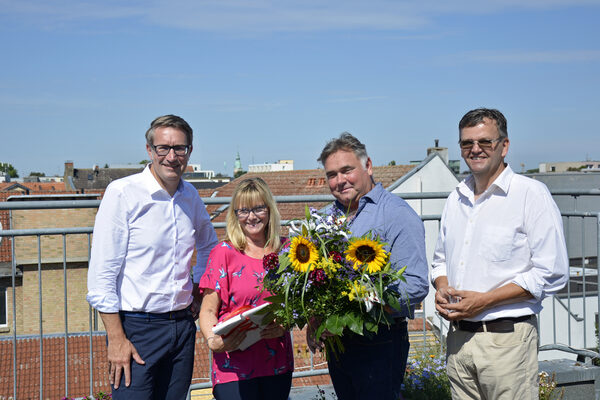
582,166
281,165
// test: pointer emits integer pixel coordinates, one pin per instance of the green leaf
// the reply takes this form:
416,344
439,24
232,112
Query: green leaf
392,301
335,324
354,322
371,326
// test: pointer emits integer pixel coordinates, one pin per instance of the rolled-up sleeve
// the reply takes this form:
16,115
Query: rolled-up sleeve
109,248
438,265
545,236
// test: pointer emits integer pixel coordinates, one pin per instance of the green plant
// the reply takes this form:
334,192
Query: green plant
426,377
548,389
99,396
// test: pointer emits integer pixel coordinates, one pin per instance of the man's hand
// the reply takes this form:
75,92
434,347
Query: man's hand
443,298
311,331
120,353
470,304
120,350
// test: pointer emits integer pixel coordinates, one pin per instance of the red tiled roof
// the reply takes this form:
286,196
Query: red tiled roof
33,186
299,182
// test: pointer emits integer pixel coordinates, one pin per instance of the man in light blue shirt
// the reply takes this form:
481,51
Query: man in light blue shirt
372,366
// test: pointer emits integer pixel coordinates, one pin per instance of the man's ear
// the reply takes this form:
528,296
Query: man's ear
149,150
369,166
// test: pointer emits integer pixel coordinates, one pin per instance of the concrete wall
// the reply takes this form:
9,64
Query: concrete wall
432,177
26,248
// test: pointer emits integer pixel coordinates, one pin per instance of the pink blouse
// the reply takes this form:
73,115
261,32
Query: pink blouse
237,279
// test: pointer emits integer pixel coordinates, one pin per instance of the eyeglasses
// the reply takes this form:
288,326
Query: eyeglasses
163,149
259,211
484,144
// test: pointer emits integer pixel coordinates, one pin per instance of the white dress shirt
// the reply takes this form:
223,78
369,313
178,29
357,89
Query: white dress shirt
143,243
511,234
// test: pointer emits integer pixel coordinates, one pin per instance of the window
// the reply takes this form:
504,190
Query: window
3,306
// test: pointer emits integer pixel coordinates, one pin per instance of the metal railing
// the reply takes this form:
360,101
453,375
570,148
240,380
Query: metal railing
566,302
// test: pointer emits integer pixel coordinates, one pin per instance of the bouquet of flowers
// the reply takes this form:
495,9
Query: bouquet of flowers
334,282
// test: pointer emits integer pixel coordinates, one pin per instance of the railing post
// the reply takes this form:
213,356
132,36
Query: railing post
583,280
66,316
39,243
598,273
14,316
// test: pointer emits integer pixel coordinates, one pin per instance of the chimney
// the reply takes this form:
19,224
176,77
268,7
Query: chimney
442,151
68,175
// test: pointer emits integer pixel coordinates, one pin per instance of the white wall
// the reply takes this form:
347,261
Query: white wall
432,177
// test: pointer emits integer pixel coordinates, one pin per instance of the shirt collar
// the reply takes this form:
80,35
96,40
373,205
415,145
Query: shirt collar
502,182
152,184
372,196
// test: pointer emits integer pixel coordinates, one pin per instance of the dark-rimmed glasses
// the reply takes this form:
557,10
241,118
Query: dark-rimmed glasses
162,149
259,211
484,144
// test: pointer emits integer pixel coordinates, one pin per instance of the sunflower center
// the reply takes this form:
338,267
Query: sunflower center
365,254
302,253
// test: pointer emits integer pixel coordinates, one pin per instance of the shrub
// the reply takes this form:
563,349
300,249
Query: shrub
426,377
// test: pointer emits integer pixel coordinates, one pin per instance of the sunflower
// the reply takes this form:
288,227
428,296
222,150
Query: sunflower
303,254
367,253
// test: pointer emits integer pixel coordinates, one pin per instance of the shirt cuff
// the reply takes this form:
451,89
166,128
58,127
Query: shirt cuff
438,271
528,283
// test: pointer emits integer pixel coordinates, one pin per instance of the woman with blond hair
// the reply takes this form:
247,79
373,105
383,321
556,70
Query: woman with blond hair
233,278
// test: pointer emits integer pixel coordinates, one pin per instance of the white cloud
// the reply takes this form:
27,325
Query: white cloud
261,16
556,56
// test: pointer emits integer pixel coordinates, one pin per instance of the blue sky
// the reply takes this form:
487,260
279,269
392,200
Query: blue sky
81,80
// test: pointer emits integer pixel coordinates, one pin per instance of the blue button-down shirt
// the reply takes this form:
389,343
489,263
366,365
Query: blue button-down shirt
397,224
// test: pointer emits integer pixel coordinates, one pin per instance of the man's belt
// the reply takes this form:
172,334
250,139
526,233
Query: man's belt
179,314
501,325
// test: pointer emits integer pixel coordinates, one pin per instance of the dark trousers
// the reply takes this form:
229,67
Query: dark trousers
276,387
167,347
371,367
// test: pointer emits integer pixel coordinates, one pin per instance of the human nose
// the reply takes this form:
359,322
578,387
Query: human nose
476,148
171,154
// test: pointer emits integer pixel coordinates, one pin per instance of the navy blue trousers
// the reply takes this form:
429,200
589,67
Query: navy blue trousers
371,367
167,347
276,387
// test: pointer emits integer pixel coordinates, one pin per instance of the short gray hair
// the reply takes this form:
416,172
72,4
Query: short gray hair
345,142
171,121
476,117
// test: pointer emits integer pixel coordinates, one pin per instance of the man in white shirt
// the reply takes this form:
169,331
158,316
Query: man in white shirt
500,251
146,229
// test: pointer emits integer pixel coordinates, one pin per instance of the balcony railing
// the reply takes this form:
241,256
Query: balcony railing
44,259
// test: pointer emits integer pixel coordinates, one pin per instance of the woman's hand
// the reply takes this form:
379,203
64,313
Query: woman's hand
273,330
232,340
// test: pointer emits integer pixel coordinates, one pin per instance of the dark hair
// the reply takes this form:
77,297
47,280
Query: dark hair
475,117
172,121
345,142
